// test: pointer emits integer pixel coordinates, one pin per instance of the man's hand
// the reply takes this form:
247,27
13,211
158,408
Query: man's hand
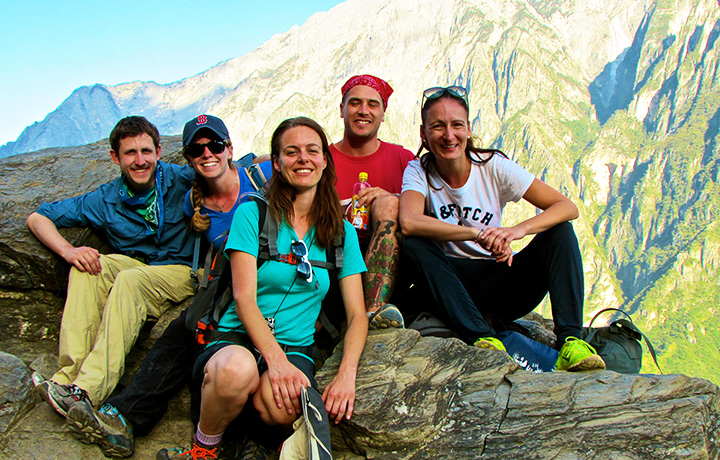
369,194
84,258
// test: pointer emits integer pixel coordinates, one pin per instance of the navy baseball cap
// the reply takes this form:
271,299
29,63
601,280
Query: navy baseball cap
210,122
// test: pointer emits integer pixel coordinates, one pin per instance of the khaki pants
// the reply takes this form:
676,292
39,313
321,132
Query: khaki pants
104,314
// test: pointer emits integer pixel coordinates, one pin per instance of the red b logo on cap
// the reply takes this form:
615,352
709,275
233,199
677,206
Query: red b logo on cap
201,120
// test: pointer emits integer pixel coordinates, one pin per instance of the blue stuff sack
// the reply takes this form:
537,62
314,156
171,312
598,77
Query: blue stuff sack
530,355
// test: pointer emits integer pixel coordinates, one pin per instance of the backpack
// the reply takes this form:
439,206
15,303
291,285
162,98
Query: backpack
529,354
619,343
214,294
429,325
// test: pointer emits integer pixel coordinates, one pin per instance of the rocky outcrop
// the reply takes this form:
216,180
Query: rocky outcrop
422,398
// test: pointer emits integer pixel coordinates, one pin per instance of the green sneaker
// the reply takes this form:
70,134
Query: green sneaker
578,355
490,343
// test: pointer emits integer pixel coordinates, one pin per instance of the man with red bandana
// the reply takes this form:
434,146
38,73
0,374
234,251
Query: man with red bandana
364,101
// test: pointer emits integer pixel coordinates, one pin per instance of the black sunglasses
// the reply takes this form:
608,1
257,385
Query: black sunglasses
303,268
437,91
196,150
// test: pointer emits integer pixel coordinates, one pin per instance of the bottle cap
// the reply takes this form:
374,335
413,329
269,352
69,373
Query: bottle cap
363,176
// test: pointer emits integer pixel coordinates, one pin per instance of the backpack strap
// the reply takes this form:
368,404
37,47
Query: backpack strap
196,257
256,176
196,247
606,310
267,235
213,266
338,252
328,325
246,160
629,324
267,241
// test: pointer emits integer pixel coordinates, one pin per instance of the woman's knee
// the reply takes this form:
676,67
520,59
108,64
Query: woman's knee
231,373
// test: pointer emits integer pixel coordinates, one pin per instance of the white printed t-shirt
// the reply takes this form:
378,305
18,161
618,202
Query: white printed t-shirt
478,203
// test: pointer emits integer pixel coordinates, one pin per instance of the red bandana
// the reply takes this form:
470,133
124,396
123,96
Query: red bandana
378,84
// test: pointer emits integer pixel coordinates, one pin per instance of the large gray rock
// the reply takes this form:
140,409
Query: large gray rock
420,398
16,395
34,430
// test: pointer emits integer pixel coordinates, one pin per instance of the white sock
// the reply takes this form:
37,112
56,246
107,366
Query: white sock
208,440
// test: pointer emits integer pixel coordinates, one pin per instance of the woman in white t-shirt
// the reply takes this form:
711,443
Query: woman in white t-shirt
450,210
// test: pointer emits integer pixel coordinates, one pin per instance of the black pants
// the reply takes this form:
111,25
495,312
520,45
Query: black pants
162,373
462,291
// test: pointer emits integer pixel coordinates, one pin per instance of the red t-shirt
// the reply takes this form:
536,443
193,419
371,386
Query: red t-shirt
385,168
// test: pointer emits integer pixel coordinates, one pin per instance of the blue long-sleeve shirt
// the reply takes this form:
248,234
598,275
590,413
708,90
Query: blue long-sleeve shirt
126,231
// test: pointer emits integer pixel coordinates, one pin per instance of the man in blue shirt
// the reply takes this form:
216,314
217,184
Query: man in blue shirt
111,295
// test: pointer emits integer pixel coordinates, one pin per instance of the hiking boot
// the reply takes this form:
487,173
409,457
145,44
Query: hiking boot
37,379
60,397
578,355
107,428
254,451
198,451
386,317
490,343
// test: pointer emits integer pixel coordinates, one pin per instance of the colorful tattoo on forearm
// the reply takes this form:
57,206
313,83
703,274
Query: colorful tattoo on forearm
381,259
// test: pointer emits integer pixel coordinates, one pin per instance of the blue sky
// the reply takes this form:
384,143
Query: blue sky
49,48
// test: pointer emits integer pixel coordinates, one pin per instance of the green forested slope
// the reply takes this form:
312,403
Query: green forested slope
637,148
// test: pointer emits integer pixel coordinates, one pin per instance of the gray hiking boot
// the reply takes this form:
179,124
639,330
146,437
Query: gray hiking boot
60,397
386,317
107,428
254,451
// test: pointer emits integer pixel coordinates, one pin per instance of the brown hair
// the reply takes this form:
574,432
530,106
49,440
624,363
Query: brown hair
471,152
131,127
325,212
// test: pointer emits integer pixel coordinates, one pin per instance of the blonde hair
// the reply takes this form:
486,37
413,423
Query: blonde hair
201,222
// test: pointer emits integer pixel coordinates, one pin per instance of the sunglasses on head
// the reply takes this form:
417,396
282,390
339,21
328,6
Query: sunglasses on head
438,91
303,268
196,150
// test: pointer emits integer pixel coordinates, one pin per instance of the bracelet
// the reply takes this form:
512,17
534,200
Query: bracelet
479,233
